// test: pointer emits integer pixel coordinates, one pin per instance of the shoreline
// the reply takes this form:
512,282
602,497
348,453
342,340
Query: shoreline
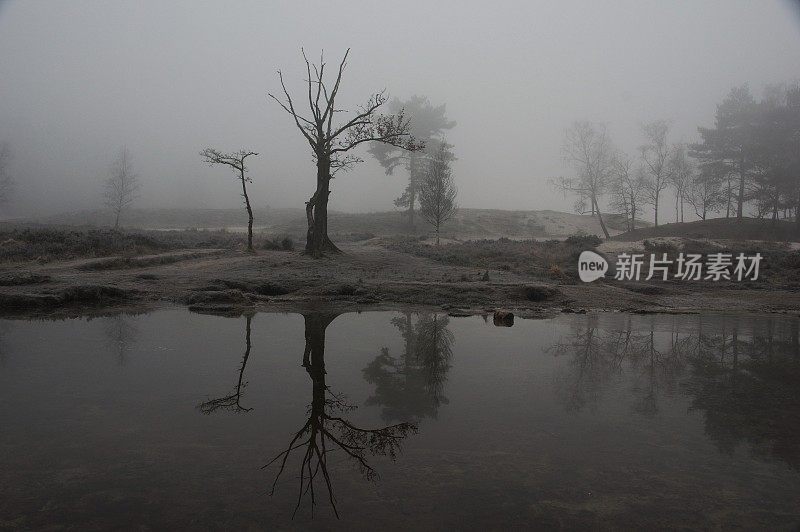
365,277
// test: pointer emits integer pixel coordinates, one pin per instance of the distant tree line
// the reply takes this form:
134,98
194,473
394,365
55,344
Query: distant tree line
749,159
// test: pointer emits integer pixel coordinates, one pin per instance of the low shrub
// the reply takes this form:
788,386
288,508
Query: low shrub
583,241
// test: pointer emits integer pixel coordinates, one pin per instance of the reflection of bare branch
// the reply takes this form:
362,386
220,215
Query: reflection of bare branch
596,355
745,383
326,430
121,334
594,358
231,401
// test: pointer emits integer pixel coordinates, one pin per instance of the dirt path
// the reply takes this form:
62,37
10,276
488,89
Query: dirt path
365,276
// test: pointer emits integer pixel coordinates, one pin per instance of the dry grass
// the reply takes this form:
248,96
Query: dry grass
551,259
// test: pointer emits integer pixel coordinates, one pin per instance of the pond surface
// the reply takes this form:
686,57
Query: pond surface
404,420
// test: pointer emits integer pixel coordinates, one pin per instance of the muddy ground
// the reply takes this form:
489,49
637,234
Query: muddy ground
365,277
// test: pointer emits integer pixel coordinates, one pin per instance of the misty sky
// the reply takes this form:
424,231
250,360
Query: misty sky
80,79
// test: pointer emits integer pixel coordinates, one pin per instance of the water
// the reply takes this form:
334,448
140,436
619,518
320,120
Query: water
164,421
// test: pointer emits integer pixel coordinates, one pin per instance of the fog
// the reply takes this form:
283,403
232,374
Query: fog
80,79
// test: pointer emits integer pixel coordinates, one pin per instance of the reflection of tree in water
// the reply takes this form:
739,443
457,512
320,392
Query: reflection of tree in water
746,385
327,429
4,328
411,387
231,402
121,334
597,355
749,391
658,369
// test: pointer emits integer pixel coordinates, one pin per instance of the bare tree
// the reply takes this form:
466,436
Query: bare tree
587,148
331,143
680,174
627,188
7,183
237,162
655,156
705,193
122,185
437,192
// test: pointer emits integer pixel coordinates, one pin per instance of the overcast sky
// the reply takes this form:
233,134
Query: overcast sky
80,79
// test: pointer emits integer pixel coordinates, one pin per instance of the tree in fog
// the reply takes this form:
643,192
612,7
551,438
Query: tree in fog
587,148
331,143
681,170
6,181
730,142
428,124
655,154
775,151
437,192
236,161
627,188
121,186
705,192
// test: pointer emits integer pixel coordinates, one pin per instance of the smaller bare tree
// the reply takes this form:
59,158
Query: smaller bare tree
437,192
627,188
122,185
587,148
7,183
680,171
705,193
655,157
237,162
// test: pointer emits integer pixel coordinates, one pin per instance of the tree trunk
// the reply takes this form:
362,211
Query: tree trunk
116,219
740,199
730,194
412,187
633,217
596,208
314,357
655,210
317,241
677,208
775,202
249,213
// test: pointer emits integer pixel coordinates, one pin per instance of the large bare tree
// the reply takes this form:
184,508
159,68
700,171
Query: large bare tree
236,161
655,157
587,148
122,185
437,192
331,143
6,181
